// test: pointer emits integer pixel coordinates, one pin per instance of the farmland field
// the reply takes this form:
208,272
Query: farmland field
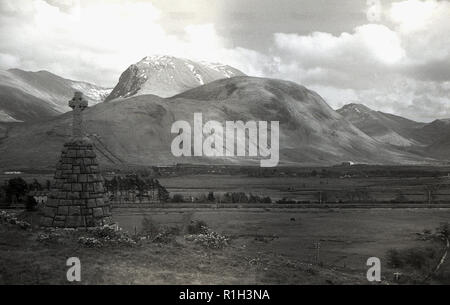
373,184
347,237
311,241
265,247
307,188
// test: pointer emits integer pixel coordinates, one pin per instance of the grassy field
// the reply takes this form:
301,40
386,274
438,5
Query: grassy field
330,185
383,189
267,245
276,247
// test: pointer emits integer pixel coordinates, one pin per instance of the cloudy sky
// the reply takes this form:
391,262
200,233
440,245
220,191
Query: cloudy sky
392,56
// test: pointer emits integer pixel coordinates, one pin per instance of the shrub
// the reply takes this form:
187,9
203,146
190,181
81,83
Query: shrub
106,235
16,188
285,200
209,239
197,227
417,258
166,235
444,230
158,234
8,218
211,197
239,197
267,200
394,259
31,204
149,228
400,198
177,198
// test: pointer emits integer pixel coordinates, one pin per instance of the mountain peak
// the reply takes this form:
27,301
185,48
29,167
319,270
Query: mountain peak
383,127
158,60
40,72
165,76
441,121
359,108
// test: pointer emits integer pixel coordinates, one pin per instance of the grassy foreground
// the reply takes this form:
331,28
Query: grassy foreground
168,250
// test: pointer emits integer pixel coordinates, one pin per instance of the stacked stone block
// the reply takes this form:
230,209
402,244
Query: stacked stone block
77,196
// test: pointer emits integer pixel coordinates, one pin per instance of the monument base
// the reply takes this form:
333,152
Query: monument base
77,195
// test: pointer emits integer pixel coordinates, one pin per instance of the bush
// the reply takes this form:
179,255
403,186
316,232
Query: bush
417,258
177,198
209,239
394,259
149,229
211,197
11,219
285,200
197,227
267,200
166,235
239,197
106,235
444,230
31,204
243,198
16,188
158,234
400,198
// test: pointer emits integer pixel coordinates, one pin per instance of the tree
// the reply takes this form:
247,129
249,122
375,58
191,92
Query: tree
35,186
267,200
31,203
239,197
17,187
163,194
177,198
211,197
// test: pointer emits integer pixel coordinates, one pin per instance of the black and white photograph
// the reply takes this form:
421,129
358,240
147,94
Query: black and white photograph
224,143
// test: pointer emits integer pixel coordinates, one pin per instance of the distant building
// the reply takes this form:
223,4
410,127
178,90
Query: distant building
346,164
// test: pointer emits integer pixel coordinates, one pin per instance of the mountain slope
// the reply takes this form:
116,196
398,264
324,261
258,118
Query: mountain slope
137,130
435,131
166,76
383,127
17,106
437,135
46,93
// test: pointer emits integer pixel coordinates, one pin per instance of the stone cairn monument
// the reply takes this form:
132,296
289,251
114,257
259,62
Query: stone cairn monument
77,195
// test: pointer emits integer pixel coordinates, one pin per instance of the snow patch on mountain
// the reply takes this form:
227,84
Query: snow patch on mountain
94,93
167,76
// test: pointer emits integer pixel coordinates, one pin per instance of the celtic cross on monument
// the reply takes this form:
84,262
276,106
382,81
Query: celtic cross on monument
78,104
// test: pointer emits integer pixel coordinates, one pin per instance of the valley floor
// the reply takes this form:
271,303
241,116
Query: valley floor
265,247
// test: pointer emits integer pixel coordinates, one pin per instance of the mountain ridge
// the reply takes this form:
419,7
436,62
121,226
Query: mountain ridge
137,130
46,93
384,127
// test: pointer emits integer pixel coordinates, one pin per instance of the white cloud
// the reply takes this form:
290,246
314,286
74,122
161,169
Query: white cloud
97,40
389,66
413,15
